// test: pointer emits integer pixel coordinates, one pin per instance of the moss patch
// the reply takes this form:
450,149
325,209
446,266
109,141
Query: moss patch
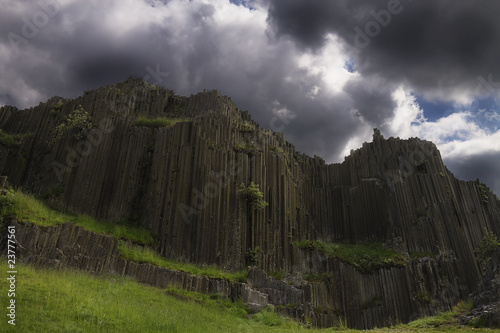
158,121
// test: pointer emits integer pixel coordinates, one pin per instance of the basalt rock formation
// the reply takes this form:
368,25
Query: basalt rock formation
183,183
487,296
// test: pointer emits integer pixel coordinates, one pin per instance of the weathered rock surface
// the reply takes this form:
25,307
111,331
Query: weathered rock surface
182,183
69,246
487,296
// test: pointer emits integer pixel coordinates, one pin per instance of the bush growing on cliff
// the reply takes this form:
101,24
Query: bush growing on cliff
488,244
253,195
6,200
252,255
77,124
483,193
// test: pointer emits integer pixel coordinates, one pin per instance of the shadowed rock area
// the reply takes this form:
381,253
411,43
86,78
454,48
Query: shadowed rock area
182,182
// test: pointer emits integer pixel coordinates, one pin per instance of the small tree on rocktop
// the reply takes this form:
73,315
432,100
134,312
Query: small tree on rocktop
488,244
253,196
78,123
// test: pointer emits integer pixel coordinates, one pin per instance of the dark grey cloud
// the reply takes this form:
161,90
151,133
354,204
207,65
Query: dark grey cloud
485,167
372,98
421,43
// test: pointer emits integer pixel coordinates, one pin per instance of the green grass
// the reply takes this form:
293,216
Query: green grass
158,121
365,257
27,208
70,301
142,254
445,320
278,275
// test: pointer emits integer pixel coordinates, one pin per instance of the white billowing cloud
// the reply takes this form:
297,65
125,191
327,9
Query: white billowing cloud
328,65
458,135
478,145
407,113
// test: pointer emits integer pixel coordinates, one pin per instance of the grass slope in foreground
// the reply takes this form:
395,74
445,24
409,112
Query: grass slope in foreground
70,301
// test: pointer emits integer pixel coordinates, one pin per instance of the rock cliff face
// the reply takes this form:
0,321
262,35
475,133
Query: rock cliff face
487,296
69,246
182,183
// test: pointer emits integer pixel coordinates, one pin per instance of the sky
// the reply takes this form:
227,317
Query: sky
323,72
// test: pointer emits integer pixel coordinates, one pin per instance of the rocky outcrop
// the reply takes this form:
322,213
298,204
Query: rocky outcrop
182,183
69,246
487,296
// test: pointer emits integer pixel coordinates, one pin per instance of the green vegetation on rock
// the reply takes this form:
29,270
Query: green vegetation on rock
248,148
366,257
10,140
483,193
253,196
488,244
158,121
278,275
143,254
445,321
27,208
252,255
77,124
247,127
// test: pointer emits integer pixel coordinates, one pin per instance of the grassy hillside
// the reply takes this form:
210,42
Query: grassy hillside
69,301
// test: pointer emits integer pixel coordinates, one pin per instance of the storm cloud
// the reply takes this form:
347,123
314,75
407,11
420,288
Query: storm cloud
438,48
